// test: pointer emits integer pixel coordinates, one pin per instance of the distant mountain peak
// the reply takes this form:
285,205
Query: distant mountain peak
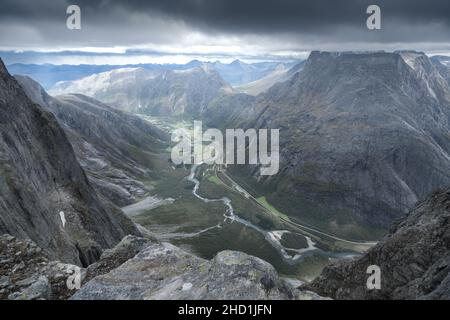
237,62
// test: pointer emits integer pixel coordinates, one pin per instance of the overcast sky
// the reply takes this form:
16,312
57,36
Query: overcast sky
162,31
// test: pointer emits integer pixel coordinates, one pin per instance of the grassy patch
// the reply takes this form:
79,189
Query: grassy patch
189,215
214,179
268,206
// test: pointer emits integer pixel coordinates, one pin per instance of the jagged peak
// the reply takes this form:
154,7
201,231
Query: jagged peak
237,62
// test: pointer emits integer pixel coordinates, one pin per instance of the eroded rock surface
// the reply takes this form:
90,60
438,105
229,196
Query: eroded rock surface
163,271
27,273
139,268
414,259
116,149
45,195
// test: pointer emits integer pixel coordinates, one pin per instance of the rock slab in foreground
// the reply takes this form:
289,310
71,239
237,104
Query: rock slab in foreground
163,271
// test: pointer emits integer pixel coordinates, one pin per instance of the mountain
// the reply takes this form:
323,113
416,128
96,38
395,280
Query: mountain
49,74
414,259
120,87
116,149
45,195
443,67
280,74
363,137
173,92
238,73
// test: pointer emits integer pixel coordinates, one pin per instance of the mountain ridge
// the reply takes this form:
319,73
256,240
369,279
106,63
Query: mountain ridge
105,140
350,125
414,259
168,92
41,182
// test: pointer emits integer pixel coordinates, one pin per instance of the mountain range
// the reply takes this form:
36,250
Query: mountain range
173,92
55,220
235,73
363,137
364,151
45,194
116,149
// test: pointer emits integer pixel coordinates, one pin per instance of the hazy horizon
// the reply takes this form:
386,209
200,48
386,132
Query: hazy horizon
119,32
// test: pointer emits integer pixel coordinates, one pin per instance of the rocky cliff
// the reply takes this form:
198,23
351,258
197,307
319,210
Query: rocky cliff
44,193
414,259
363,137
115,148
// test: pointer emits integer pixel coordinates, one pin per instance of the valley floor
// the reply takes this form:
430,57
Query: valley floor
203,210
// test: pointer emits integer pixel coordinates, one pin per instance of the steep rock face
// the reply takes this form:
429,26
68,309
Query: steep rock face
42,185
363,137
168,92
115,148
442,64
163,271
414,259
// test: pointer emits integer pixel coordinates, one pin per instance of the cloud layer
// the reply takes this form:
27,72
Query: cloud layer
255,28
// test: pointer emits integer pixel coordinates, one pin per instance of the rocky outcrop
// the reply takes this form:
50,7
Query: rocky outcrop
110,259
414,259
139,268
27,273
163,271
116,149
44,193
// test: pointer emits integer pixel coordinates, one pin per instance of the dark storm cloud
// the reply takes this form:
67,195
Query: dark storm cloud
301,24
292,15
269,16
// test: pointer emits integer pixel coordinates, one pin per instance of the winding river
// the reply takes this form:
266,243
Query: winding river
273,237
